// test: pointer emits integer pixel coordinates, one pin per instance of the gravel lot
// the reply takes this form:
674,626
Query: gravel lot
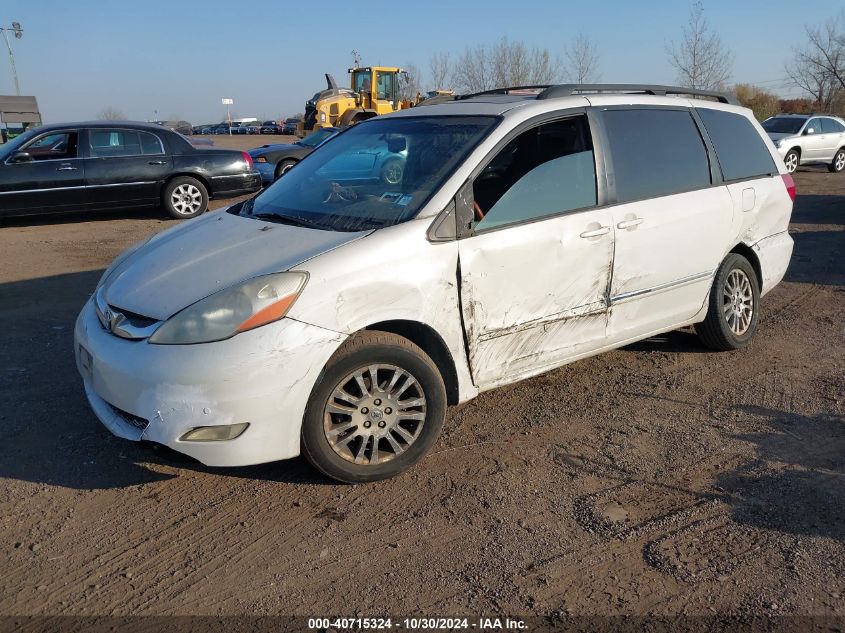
660,479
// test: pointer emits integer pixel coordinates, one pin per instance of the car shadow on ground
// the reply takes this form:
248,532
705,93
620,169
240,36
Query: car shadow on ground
797,483
677,341
139,213
49,432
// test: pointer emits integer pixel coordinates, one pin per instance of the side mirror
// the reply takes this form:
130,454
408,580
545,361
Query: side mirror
810,130
21,157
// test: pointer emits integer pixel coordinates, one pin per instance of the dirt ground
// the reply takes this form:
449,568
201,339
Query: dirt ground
657,480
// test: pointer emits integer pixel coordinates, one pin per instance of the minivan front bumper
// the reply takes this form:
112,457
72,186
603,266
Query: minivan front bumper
262,377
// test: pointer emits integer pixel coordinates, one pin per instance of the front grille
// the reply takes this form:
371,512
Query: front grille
135,320
123,323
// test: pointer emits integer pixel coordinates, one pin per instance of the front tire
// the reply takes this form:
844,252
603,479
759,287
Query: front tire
185,197
376,410
734,310
392,171
792,160
838,162
284,167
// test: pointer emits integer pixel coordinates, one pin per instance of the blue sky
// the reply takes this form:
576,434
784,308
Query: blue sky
181,57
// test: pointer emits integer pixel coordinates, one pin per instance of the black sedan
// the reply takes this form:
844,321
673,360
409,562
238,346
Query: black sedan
272,161
270,127
105,165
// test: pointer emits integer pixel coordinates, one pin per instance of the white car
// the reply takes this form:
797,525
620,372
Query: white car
805,139
340,319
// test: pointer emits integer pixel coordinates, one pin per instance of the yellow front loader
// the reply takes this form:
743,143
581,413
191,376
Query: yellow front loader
374,90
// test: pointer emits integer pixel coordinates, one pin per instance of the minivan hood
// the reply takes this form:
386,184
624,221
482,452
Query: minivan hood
180,266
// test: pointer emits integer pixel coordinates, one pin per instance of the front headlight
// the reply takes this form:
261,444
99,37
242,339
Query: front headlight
246,306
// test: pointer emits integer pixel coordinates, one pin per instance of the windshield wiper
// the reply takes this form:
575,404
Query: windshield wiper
287,219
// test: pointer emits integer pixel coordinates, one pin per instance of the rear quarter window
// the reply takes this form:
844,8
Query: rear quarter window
741,151
655,153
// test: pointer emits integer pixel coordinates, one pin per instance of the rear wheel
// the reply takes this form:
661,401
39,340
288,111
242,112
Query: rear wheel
185,197
734,309
376,410
838,162
283,167
791,160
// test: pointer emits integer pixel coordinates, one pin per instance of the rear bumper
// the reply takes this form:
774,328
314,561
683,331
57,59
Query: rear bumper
774,253
235,184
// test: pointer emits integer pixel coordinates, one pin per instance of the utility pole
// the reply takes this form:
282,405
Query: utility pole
18,31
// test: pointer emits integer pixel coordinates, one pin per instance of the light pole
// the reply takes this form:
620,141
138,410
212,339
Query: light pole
228,103
18,31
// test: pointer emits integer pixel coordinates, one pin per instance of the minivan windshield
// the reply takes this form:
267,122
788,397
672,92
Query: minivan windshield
375,174
783,124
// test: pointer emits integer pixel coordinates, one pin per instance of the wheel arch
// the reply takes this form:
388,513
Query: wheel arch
186,174
748,253
426,338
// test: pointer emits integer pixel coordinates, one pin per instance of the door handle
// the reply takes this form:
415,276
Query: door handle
157,162
629,224
67,168
603,230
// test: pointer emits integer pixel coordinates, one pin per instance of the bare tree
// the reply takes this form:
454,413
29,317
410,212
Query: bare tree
440,69
410,83
819,68
700,58
503,64
111,114
581,61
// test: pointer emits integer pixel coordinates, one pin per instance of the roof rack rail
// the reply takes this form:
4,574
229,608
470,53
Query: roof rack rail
503,91
567,90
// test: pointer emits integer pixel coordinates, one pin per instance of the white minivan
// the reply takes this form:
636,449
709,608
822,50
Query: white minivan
339,316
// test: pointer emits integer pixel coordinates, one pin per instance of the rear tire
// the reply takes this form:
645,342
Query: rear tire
375,411
734,310
838,162
792,160
184,198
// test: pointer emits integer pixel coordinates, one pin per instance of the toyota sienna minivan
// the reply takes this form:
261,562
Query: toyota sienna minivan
340,318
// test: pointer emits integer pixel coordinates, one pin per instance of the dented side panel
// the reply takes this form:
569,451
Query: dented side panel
663,266
393,274
535,294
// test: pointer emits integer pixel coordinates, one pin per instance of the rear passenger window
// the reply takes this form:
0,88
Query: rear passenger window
741,151
112,143
831,126
547,170
655,153
150,143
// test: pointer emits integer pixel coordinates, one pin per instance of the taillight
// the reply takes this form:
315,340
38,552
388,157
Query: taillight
790,185
248,160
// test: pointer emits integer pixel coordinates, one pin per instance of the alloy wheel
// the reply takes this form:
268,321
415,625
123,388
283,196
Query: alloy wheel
186,199
840,161
738,301
374,414
791,162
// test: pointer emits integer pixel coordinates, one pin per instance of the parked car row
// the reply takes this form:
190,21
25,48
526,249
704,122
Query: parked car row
247,127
